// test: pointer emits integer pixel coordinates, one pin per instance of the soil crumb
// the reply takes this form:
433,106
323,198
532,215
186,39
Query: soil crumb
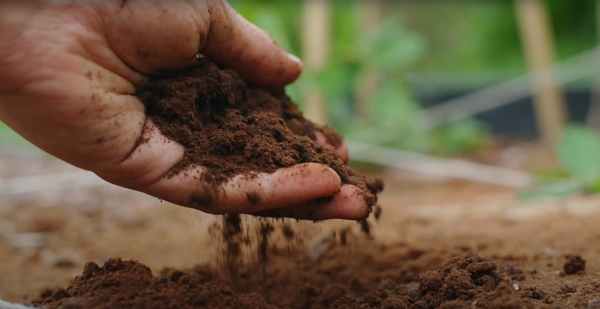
378,277
574,265
232,129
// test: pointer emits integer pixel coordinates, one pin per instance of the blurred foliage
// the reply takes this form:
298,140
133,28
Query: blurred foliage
418,36
390,49
579,154
465,35
466,135
484,36
574,25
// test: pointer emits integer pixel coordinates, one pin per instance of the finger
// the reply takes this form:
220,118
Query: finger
154,35
250,193
348,204
237,44
342,150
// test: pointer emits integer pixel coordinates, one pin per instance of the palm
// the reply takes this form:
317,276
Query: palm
68,85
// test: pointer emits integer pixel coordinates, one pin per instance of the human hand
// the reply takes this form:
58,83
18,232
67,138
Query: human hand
69,72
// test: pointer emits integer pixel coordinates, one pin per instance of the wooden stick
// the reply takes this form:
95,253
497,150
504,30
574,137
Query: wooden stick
444,167
316,37
538,45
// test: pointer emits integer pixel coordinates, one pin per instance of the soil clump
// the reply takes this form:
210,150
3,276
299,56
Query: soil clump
232,129
574,264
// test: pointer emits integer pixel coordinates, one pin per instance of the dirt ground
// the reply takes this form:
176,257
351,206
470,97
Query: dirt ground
47,238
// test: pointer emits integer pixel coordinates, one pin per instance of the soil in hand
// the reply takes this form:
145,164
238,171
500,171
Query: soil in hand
232,129
380,277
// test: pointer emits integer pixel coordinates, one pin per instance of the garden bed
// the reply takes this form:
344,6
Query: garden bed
425,225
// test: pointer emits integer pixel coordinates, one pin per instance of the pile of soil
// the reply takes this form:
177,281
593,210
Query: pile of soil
233,129
378,277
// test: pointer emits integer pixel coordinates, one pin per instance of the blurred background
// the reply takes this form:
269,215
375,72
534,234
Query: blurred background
486,105
403,78
375,62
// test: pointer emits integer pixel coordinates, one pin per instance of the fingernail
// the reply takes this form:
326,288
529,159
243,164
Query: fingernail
295,59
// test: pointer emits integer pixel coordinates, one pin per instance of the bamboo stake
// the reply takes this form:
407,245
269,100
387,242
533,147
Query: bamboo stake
315,49
444,167
538,45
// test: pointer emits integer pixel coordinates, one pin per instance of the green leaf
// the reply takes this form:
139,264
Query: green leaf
554,190
579,152
467,135
337,79
594,187
390,47
394,104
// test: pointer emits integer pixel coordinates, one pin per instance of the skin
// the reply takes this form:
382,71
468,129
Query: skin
69,71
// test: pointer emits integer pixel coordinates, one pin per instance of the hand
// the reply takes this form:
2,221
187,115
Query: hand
69,72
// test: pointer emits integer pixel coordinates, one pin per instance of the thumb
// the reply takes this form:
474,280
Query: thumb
235,43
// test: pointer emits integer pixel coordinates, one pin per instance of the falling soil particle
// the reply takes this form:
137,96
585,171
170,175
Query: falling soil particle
381,277
232,129
574,265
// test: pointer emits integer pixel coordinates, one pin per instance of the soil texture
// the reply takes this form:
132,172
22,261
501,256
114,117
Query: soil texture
382,277
232,129
424,227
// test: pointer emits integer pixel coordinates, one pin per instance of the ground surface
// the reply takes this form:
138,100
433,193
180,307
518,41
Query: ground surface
49,235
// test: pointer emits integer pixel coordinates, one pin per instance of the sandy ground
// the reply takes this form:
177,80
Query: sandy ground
47,236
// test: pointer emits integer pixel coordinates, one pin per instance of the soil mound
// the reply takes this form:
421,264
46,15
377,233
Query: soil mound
233,129
129,284
380,277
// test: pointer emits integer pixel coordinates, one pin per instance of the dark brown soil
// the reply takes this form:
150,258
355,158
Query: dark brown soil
380,277
232,129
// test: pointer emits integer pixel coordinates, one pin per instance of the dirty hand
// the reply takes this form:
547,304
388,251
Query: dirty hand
69,71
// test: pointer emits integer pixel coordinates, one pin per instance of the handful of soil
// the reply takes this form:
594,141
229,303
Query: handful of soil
233,129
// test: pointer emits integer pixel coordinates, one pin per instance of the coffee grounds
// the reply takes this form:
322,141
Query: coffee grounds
380,277
233,129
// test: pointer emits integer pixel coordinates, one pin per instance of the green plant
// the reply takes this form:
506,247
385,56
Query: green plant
579,154
390,49
9,138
